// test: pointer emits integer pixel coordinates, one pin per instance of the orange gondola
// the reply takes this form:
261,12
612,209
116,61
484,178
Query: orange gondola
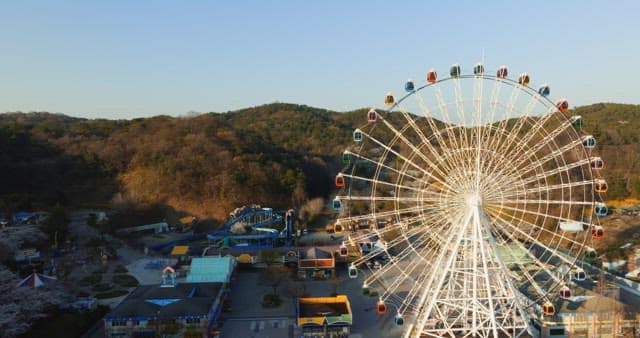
389,100
548,309
600,185
524,79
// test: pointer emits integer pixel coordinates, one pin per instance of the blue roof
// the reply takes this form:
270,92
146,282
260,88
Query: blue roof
211,269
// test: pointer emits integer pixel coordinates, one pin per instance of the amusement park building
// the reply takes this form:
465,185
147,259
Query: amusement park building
187,310
325,316
315,262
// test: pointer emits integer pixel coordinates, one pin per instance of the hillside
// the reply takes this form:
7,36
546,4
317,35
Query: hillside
278,155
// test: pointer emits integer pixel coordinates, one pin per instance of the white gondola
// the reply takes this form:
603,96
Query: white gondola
579,275
353,273
357,135
589,142
343,251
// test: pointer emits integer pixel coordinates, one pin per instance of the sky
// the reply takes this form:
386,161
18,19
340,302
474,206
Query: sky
128,59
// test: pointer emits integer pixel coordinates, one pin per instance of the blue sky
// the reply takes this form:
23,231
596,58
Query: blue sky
126,59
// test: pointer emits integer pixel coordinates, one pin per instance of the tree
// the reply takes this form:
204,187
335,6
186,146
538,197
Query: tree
57,225
14,238
268,256
274,276
20,307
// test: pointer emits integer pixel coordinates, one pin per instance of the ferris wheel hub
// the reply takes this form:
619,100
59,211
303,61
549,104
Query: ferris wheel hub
474,200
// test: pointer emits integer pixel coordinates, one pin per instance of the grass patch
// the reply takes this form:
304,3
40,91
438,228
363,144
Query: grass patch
64,324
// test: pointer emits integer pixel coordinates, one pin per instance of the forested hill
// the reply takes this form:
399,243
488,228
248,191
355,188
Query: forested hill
278,155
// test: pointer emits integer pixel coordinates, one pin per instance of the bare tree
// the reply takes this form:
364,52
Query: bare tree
274,276
20,307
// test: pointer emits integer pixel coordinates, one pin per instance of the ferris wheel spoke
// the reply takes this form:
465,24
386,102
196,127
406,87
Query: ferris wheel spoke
435,130
405,159
558,153
540,230
551,187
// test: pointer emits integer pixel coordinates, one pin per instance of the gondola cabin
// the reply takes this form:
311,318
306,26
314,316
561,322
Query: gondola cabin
342,250
381,307
600,185
372,116
409,86
398,320
579,275
601,209
337,205
340,183
544,90
478,69
565,292
389,100
576,122
590,255
365,289
548,309
357,135
454,71
353,273
338,228
597,163
597,232
562,105
432,76
346,157
524,79
502,72
589,142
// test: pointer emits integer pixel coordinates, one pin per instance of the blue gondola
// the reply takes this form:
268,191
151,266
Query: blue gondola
601,209
524,79
398,320
372,116
455,70
544,90
357,135
502,72
589,142
409,86
478,69
337,205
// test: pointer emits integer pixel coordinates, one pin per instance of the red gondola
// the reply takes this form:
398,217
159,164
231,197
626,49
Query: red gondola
597,163
597,232
562,105
340,181
432,76
372,116
381,307
565,292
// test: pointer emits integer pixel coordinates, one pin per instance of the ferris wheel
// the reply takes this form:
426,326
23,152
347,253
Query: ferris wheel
472,203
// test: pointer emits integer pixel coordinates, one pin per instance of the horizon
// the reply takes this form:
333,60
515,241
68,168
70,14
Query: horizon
121,60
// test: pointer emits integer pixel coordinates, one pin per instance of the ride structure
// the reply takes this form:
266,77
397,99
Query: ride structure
489,200
253,227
